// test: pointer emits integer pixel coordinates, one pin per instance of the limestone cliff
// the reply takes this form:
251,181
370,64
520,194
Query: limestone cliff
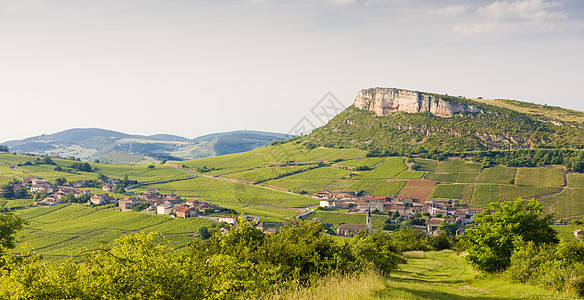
383,101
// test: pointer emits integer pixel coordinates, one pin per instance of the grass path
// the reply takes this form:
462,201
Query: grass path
445,275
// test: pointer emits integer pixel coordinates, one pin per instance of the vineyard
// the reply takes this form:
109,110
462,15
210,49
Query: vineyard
67,229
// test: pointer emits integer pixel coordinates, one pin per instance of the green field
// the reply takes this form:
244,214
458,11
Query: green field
378,187
496,174
388,168
575,180
542,176
311,181
483,194
466,177
262,174
570,202
274,155
67,229
368,162
223,192
448,191
410,175
450,166
426,164
139,172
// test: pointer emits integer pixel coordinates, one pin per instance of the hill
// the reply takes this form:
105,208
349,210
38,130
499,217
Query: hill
110,146
408,122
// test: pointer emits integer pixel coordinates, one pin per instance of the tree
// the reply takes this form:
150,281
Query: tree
8,192
60,181
47,160
151,167
70,198
4,148
449,228
22,193
40,195
490,243
9,225
204,233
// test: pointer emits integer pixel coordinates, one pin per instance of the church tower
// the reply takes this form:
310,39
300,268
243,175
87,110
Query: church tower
369,223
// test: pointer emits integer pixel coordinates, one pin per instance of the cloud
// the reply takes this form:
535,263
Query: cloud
343,1
533,10
451,10
512,15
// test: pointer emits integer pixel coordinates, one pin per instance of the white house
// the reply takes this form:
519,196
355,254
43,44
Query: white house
165,208
228,219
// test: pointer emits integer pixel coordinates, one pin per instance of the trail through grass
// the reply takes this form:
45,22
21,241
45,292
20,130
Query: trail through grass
445,275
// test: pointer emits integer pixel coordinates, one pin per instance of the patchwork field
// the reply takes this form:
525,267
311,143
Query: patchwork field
284,192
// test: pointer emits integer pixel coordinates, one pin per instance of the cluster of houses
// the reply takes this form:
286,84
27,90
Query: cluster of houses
438,210
166,204
55,194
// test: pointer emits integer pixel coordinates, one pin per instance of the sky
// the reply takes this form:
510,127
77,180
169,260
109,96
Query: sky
189,67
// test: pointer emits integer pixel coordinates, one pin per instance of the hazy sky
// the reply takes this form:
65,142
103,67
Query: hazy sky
191,67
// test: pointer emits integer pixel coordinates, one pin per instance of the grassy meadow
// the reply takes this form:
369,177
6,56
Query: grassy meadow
426,275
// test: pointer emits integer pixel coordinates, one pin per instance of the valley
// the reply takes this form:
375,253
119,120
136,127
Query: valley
426,171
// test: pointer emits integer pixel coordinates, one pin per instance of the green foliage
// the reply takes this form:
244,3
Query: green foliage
84,167
559,267
240,264
204,233
9,225
490,242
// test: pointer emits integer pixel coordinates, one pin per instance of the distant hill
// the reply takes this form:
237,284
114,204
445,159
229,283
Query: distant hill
116,147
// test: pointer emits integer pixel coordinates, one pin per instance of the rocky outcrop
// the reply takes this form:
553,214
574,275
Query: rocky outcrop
383,101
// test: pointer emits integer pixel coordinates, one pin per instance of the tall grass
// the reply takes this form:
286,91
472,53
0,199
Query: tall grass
359,285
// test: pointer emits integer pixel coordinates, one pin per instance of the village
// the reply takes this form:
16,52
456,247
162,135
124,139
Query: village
428,216
431,213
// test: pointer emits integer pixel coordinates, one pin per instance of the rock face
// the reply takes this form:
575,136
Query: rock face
383,101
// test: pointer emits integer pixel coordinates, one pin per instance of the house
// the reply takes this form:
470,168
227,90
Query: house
165,208
399,208
77,184
350,230
228,219
48,201
250,218
185,211
129,203
172,198
433,224
363,207
39,181
151,192
82,192
327,203
345,195
204,206
471,212
108,187
28,180
324,194
47,188
265,229
99,199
